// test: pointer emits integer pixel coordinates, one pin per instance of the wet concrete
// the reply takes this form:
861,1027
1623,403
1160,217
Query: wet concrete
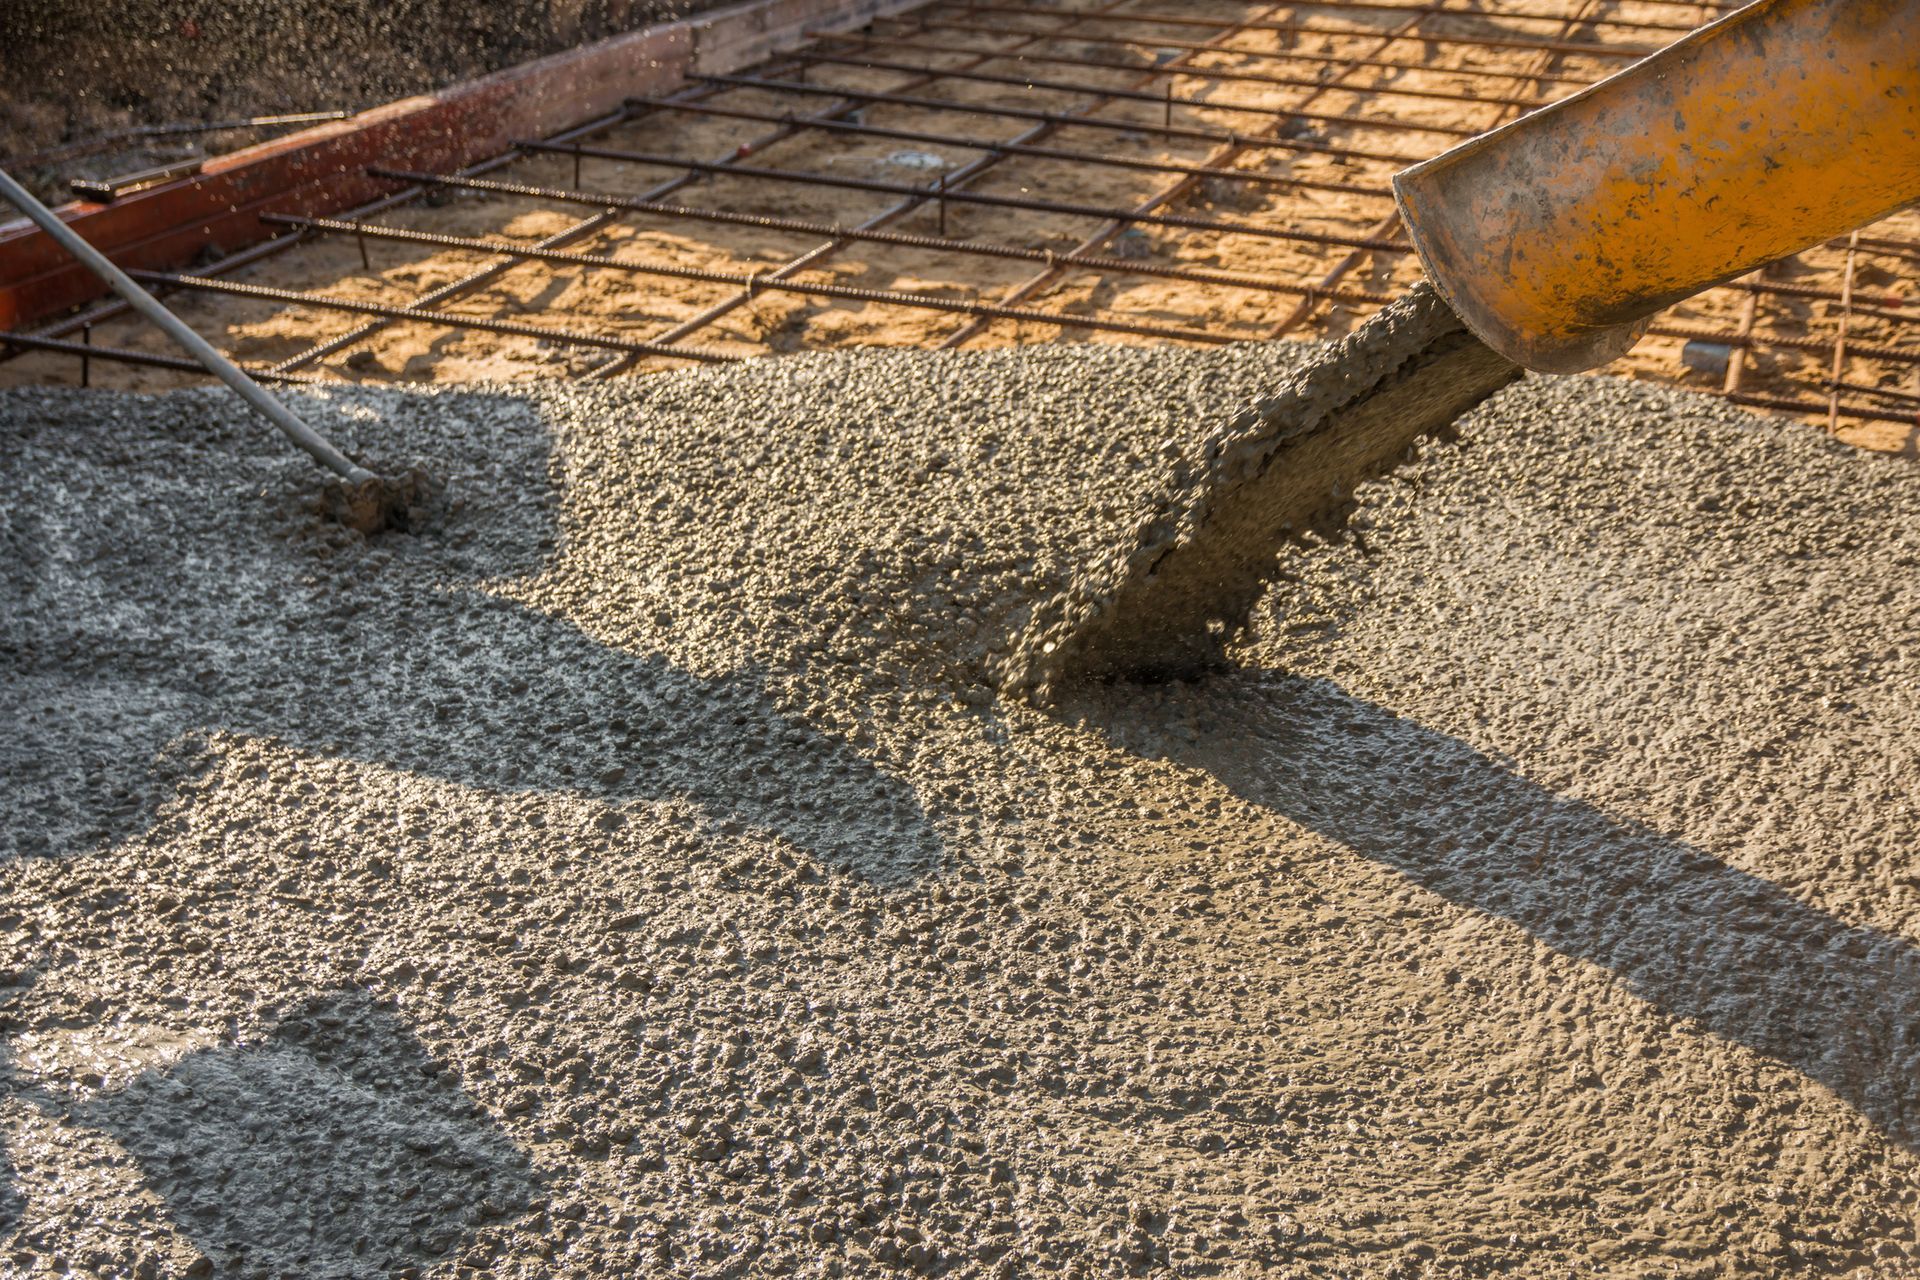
261,1151
640,847
1164,603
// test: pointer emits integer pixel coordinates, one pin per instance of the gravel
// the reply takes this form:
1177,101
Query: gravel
636,869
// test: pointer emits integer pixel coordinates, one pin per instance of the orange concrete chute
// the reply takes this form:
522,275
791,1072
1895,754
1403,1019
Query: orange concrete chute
1785,123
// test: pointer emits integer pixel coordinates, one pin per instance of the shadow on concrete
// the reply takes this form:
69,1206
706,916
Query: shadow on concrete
335,1147
489,694
1742,958
212,625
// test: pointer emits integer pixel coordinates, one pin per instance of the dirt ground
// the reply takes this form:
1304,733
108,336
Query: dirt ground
75,70
732,320
633,872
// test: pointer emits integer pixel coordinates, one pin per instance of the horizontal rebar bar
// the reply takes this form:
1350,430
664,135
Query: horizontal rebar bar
753,282
1101,158
101,312
1588,49
1822,408
903,239
126,355
445,319
1265,55
1787,342
1028,204
1902,250
1194,133
1888,393
1158,100
1716,6
1498,15
1223,74
1877,242
1892,306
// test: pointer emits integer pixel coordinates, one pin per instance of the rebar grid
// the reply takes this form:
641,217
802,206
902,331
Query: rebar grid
801,226
1249,176
1164,128
1167,100
1224,74
745,280
945,192
1142,125
1113,226
966,173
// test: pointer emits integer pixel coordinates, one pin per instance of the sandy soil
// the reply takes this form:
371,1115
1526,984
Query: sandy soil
619,303
632,870
1165,605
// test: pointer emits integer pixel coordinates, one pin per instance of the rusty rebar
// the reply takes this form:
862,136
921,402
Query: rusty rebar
425,315
968,172
126,355
756,281
565,235
1157,99
1788,405
1222,74
1501,15
1027,204
1264,55
902,239
104,311
1631,53
1220,155
1840,339
1193,133
1100,158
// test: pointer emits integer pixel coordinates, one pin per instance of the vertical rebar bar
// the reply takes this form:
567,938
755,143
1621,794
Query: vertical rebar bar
1840,340
1737,359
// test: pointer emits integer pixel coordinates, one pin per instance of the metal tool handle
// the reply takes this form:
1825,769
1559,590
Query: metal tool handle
212,361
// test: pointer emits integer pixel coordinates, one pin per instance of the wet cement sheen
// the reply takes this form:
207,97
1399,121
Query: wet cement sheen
1164,603
633,872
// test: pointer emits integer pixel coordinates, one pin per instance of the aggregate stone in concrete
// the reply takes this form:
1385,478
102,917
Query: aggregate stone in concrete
635,872
1166,603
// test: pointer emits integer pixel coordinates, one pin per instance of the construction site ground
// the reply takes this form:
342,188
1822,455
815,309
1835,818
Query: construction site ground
634,866
585,299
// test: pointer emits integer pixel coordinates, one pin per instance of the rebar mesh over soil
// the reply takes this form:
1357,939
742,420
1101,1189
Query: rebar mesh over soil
981,174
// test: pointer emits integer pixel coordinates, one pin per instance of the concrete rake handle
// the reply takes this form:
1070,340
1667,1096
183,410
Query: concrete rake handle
216,364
